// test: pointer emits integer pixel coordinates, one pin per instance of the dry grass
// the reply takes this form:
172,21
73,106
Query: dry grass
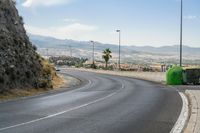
57,82
17,93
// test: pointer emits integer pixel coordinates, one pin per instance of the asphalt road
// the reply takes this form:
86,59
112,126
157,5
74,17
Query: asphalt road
103,104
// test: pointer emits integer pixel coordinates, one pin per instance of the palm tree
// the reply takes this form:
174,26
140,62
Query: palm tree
107,55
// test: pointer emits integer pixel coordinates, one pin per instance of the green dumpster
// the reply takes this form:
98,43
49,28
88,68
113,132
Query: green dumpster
174,76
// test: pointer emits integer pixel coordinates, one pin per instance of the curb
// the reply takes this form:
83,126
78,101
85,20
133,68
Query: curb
183,118
192,123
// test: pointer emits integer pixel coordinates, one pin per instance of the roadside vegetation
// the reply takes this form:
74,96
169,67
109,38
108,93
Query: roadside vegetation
68,61
106,56
105,63
49,81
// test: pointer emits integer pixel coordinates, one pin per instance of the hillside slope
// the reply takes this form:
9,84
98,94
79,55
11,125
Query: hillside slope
20,65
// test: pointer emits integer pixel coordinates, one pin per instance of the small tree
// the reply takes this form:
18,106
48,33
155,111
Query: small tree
106,56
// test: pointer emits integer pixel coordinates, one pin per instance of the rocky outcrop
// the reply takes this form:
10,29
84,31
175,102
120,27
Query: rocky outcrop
20,65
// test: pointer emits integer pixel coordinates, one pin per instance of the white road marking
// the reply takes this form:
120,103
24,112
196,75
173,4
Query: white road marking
60,113
181,122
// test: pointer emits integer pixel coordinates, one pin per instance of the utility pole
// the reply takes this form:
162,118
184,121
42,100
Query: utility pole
93,53
181,34
66,49
119,60
47,52
70,50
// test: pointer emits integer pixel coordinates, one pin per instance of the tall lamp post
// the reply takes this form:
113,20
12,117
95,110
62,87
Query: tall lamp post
119,62
47,53
92,51
70,50
181,34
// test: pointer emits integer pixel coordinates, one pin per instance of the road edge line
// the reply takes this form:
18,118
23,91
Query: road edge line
183,117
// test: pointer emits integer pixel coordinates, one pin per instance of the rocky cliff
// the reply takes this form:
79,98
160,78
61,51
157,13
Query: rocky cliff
20,65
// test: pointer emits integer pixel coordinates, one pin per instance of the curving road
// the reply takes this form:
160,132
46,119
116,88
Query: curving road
102,104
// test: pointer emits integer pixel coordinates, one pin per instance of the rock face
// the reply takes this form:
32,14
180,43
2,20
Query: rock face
20,65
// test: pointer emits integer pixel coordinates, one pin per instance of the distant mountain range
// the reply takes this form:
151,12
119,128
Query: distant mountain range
129,53
50,42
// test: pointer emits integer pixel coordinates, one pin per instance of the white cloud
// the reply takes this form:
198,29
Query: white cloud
191,17
75,31
32,3
70,20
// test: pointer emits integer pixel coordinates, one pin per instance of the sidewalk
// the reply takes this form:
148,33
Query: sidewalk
193,93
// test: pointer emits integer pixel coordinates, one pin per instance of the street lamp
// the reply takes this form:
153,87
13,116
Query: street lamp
92,52
47,52
119,31
181,34
70,50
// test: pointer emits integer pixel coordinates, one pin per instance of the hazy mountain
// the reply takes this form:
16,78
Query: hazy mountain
50,42
48,46
168,49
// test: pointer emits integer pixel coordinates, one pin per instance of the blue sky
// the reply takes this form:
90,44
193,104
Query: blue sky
142,22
